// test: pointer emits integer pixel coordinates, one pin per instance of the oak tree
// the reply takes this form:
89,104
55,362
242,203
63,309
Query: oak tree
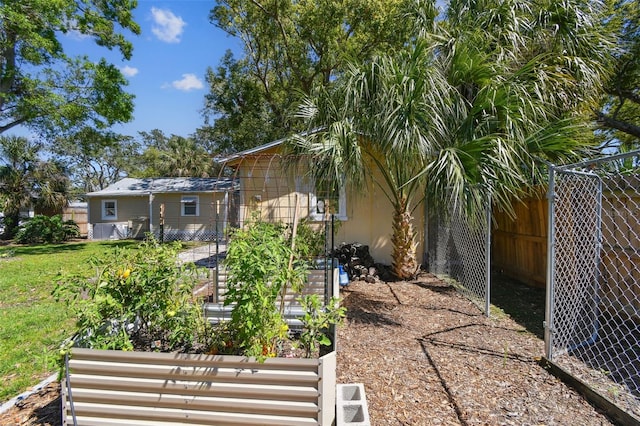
45,89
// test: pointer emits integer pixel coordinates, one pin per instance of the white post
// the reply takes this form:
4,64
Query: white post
150,212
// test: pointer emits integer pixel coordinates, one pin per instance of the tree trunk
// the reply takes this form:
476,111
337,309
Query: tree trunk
403,256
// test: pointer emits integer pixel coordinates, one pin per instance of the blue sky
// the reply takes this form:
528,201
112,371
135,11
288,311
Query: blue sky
167,70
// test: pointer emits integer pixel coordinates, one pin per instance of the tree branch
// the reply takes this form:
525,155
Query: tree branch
607,121
12,124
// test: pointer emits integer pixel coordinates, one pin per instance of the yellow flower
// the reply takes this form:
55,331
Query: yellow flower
124,274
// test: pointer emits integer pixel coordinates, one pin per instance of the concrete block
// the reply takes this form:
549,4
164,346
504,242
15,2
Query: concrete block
351,405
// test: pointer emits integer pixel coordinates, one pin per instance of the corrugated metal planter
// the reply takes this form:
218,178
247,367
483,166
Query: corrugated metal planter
106,387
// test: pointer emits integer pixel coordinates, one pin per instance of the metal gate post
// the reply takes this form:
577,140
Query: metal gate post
487,296
548,323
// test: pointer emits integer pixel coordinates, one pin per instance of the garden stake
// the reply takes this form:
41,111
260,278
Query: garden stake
293,246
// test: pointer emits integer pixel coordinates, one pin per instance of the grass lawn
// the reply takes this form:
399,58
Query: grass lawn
32,324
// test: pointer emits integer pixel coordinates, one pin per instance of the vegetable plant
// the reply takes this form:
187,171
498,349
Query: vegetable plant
139,298
317,320
258,264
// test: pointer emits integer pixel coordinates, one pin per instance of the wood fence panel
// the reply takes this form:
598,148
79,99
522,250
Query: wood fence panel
79,216
519,247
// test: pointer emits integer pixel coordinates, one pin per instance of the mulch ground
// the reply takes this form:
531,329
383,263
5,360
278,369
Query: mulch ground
426,356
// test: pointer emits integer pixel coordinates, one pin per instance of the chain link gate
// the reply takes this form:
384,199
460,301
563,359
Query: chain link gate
592,327
459,248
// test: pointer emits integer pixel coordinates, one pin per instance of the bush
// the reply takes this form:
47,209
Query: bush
45,229
140,298
257,260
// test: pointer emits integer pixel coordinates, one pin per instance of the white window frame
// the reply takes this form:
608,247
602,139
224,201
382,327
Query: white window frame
341,214
103,210
188,199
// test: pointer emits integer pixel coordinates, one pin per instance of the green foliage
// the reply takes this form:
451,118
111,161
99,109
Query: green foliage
464,112
289,47
26,181
172,156
49,230
45,89
317,320
618,115
258,260
138,299
95,158
310,240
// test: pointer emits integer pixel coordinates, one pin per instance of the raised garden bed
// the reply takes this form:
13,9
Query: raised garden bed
106,387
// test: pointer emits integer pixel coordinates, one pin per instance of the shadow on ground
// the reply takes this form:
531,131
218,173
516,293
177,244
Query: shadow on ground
523,303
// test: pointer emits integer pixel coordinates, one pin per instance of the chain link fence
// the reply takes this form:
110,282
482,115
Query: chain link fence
459,248
592,329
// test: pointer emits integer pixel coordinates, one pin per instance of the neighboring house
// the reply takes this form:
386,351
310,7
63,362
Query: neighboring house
171,208
267,189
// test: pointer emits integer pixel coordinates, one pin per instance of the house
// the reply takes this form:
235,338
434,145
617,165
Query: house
272,192
170,208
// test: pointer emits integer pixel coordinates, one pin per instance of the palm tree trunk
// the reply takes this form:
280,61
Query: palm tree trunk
403,256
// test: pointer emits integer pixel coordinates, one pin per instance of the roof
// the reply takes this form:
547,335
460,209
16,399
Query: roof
258,149
250,151
131,186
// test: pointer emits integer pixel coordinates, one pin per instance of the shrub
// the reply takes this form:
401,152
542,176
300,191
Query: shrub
45,229
140,298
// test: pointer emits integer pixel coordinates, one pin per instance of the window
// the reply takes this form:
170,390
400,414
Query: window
190,205
109,210
325,200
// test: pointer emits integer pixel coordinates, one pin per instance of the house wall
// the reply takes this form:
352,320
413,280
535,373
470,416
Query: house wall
128,208
370,219
267,191
137,210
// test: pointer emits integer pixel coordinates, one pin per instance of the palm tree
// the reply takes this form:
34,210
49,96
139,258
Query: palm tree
26,181
461,116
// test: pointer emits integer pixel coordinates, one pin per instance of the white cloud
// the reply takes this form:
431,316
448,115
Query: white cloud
129,71
167,26
187,83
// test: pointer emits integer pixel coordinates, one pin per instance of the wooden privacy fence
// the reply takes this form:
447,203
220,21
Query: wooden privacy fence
79,214
519,247
106,387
